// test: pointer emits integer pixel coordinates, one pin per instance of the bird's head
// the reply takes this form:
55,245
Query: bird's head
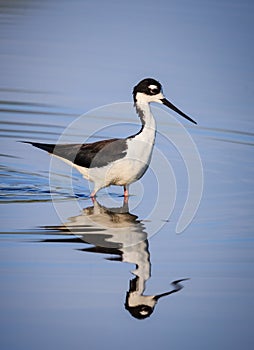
150,90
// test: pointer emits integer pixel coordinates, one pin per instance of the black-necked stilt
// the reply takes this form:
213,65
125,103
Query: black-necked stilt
118,161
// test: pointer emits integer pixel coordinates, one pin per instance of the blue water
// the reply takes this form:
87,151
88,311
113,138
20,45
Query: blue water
72,270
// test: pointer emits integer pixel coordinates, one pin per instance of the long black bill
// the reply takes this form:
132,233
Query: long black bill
174,108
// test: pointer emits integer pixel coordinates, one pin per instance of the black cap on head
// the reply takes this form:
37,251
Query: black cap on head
147,86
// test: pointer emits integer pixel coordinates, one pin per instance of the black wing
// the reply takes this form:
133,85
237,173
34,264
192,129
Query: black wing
88,155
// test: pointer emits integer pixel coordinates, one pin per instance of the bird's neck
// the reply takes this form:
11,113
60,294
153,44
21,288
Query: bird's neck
145,114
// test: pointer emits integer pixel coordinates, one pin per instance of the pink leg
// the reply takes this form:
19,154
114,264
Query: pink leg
126,192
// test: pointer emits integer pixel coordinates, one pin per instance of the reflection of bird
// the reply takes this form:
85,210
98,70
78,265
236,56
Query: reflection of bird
116,232
118,161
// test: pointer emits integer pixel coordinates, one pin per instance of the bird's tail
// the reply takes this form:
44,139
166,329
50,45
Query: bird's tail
44,146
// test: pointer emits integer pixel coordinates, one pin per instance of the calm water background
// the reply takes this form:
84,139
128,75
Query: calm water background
60,59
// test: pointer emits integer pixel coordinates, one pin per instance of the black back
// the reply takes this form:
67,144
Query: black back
88,155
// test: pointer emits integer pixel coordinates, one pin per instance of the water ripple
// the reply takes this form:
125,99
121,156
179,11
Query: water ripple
227,135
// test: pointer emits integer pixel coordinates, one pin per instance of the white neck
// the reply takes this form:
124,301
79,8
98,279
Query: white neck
148,122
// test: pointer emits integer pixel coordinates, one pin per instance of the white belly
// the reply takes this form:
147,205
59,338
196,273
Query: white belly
123,171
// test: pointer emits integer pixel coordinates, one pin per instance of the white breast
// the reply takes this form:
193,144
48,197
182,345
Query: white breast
131,167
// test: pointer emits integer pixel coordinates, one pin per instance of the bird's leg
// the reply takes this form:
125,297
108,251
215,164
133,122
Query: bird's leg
125,192
93,195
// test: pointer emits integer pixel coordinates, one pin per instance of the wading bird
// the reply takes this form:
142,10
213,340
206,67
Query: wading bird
118,161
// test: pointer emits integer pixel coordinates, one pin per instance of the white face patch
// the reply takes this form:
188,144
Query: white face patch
143,98
153,87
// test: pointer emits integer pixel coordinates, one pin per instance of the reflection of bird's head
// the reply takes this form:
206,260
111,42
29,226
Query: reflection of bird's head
139,306
142,306
140,311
